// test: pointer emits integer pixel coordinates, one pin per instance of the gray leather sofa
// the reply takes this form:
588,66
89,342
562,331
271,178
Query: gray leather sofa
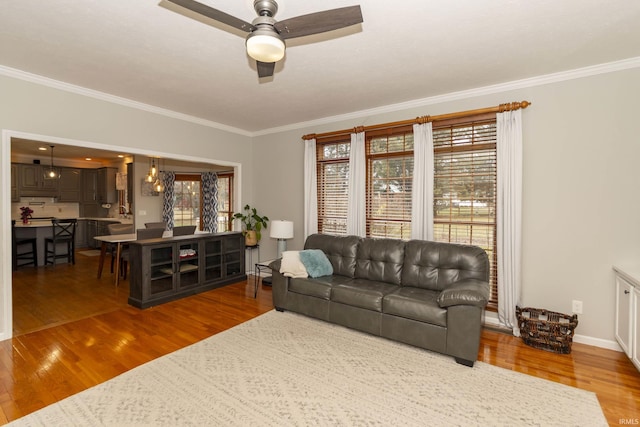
428,294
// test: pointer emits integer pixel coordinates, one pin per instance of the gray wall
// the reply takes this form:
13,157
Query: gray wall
581,188
581,198
65,117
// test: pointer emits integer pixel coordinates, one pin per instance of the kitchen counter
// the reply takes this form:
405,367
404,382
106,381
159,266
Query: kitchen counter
47,222
41,228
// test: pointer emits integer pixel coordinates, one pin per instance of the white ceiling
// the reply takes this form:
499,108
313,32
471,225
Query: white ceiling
405,50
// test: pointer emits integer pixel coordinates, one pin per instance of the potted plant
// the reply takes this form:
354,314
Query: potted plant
25,214
252,224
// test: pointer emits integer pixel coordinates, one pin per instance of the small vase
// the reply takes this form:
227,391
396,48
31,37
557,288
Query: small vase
25,221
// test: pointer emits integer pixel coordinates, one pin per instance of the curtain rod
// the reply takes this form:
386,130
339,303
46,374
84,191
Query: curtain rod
511,106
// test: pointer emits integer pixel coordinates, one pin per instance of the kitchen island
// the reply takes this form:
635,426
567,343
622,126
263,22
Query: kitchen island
40,229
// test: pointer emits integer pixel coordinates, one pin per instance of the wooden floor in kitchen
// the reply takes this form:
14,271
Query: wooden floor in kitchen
73,331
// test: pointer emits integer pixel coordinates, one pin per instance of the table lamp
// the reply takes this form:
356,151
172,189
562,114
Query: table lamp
281,230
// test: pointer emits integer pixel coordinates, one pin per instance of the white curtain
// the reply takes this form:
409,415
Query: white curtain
509,216
356,205
422,191
310,189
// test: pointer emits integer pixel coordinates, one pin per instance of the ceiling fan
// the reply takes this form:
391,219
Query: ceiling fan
266,37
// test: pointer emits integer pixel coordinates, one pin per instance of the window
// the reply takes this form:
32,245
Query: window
389,177
225,201
465,186
465,174
187,206
187,202
333,184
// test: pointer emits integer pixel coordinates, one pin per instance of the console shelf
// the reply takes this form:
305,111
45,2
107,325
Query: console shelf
167,269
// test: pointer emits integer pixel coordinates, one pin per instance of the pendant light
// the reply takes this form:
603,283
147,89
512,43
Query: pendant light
158,185
51,173
153,172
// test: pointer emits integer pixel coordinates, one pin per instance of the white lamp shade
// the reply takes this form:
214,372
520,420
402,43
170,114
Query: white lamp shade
281,229
265,47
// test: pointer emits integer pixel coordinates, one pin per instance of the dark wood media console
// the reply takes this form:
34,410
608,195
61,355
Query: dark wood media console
167,269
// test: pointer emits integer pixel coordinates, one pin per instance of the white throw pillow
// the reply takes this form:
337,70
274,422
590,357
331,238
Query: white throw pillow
291,266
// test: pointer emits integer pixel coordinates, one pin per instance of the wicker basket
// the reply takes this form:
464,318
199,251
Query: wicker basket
547,330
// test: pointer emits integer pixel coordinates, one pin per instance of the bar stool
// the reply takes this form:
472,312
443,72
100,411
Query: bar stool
19,253
64,232
120,229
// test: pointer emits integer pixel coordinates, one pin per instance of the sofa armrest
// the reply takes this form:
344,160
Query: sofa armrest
466,292
275,264
279,285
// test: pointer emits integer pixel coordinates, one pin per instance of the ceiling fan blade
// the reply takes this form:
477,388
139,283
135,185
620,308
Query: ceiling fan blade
319,22
265,69
215,14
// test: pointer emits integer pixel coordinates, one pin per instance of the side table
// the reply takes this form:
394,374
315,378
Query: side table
259,267
251,249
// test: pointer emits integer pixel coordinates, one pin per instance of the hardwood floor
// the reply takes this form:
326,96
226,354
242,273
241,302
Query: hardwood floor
73,331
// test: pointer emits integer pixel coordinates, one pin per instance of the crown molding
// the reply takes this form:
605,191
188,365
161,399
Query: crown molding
46,81
593,70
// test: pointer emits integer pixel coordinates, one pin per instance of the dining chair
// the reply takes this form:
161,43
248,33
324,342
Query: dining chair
141,234
64,233
120,229
184,230
149,233
161,224
18,251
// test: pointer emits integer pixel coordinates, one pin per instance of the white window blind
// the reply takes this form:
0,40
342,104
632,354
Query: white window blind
389,183
465,185
333,177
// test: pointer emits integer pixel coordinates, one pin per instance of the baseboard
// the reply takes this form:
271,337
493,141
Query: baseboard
491,321
597,342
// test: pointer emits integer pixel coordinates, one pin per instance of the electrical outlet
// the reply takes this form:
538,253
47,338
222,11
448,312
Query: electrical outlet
576,307
142,213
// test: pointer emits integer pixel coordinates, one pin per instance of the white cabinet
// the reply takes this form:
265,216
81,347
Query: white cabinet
627,328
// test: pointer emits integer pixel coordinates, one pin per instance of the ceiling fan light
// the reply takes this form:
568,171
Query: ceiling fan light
265,47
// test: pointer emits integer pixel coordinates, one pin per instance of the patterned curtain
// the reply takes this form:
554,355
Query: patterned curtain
168,180
210,202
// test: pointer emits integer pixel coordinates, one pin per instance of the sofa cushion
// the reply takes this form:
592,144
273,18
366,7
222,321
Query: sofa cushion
319,288
362,293
316,263
341,251
380,260
415,304
436,265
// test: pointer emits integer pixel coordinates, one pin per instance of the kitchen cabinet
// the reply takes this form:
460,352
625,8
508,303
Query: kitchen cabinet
96,227
15,195
89,186
627,321
81,234
130,184
70,185
91,231
106,185
99,186
167,269
32,183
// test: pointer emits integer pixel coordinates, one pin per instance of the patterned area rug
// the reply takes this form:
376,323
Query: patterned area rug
283,369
